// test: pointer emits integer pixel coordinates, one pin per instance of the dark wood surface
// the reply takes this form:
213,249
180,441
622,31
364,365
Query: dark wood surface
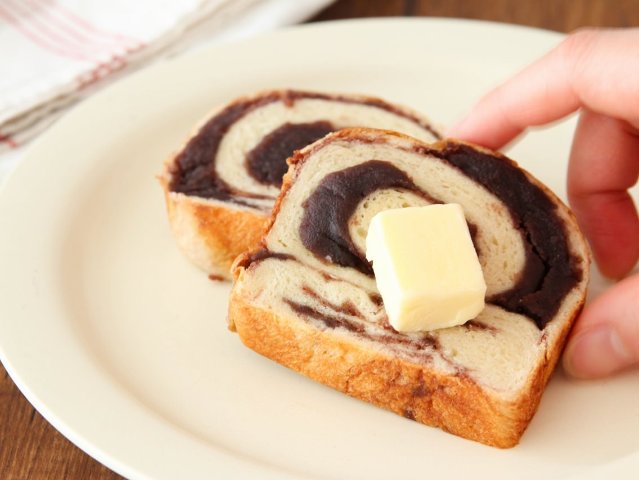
31,449
559,15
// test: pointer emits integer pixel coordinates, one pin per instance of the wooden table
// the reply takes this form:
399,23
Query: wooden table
31,449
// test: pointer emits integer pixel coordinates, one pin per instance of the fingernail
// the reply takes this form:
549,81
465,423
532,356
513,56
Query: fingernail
596,353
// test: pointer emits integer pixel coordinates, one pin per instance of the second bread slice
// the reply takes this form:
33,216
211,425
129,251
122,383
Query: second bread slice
220,187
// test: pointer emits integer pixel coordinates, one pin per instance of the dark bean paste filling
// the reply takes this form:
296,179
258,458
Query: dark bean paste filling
266,163
262,254
422,346
194,169
324,226
341,313
550,271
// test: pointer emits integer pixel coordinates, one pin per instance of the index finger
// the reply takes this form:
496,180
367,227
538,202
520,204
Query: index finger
597,69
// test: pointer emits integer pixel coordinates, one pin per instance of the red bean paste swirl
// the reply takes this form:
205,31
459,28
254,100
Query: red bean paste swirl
324,226
194,171
550,270
266,163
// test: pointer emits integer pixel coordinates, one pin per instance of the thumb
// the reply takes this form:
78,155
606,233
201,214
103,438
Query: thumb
605,338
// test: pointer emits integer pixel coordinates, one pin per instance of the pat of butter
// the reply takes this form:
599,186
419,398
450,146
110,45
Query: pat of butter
426,267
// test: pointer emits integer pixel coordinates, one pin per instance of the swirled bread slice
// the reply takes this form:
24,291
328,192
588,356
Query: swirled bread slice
308,299
221,186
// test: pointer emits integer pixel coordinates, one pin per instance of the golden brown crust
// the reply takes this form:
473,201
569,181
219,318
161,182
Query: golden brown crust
212,235
454,403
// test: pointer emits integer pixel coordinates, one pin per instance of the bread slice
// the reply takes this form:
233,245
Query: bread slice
220,187
308,299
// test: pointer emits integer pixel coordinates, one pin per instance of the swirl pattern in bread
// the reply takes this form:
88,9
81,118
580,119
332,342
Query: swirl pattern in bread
221,186
308,299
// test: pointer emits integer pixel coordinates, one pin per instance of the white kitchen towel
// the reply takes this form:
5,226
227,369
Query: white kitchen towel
56,52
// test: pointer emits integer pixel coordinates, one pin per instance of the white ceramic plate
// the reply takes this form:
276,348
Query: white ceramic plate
123,346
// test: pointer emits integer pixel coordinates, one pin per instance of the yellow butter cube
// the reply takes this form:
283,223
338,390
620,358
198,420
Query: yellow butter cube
426,267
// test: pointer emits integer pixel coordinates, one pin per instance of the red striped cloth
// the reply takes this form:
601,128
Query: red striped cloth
55,52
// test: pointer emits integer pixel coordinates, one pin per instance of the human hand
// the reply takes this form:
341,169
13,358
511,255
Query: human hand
598,73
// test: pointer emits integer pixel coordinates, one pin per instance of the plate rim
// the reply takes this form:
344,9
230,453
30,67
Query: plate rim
31,156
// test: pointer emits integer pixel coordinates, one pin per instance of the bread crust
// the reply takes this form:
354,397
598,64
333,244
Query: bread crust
212,234
454,403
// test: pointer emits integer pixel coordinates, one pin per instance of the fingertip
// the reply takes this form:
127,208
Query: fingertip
458,129
466,127
609,220
617,256
605,339
617,268
567,361
488,133
596,353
